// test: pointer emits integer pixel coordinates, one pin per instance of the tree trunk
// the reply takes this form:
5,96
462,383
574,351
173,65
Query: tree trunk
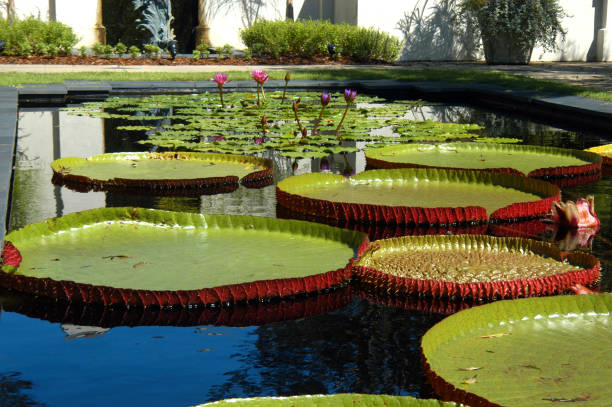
289,10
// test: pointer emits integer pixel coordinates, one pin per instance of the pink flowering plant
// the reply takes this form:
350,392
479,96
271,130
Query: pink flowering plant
260,77
221,80
325,99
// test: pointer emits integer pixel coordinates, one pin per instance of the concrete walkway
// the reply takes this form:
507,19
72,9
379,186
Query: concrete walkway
597,75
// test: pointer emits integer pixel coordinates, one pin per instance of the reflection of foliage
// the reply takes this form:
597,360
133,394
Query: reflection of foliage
438,32
199,123
362,348
11,388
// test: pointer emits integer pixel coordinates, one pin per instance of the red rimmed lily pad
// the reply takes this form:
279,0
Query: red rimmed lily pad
605,152
143,257
548,163
162,172
333,400
418,196
528,352
472,266
377,231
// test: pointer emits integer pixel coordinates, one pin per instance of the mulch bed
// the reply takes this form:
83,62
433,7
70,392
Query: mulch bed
91,60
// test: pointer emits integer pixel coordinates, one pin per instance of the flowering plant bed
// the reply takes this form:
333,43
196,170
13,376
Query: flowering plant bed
527,352
161,171
418,196
142,257
472,266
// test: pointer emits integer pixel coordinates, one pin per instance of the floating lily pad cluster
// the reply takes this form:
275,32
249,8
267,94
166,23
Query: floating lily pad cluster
199,123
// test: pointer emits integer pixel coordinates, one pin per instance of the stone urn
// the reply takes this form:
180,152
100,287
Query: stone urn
502,49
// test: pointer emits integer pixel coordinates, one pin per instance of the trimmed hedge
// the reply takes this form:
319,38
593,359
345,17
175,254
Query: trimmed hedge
32,36
311,37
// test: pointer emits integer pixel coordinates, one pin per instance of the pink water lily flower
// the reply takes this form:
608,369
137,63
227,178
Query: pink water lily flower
221,79
260,76
580,214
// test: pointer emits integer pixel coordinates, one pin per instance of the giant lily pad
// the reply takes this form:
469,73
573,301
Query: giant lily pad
141,257
472,266
605,152
161,171
529,352
320,400
418,196
533,161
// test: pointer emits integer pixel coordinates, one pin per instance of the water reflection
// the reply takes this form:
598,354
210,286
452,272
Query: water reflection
365,348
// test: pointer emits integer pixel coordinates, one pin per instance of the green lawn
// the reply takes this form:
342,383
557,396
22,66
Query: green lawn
448,75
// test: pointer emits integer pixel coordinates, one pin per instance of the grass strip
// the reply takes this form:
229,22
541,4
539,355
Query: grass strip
445,75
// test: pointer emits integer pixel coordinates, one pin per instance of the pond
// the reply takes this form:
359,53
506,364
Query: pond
341,341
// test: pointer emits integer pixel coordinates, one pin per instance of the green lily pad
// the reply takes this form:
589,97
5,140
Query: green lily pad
421,196
605,152
342,400
526,160
475,266
190,258
528,352
169,170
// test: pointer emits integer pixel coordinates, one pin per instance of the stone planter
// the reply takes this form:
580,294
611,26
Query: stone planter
502,50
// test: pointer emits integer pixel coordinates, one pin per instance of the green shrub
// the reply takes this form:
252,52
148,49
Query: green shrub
83,51
195,55
120,48
108,50
97,49
248,54
134,51
308,38
53,50
38,48
226,51
152,51
27,35
203,50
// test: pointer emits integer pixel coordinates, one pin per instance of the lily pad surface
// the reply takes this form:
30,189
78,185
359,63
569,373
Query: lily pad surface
529,352
149,257
417,196
605,152
169,170
342,400
533,161
475,266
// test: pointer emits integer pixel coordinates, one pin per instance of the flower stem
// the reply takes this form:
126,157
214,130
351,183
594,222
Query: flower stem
314,129
341,120
221,95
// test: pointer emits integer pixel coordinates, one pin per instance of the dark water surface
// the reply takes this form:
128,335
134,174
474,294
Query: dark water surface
342,341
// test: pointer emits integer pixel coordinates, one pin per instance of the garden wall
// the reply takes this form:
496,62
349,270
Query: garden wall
432,29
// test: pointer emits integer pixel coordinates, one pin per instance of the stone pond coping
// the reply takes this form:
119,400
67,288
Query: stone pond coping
563,110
